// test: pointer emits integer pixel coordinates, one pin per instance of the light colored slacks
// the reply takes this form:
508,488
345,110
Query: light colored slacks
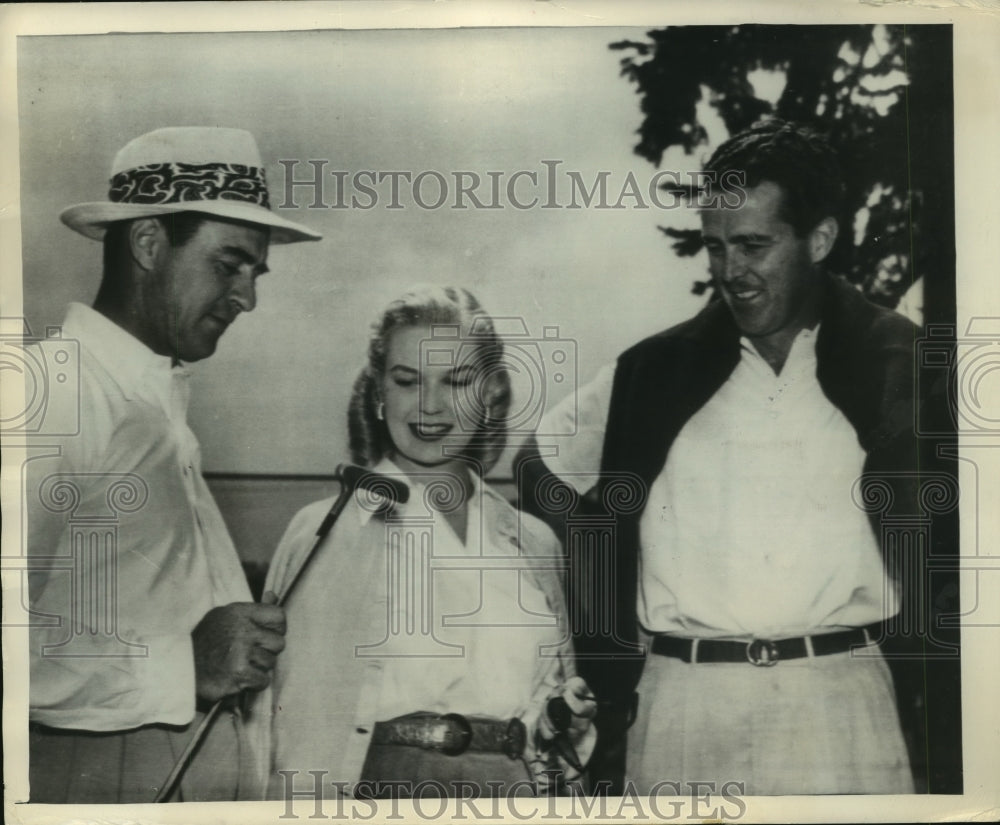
817,725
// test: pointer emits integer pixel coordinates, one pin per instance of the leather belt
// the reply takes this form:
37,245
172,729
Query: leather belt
763,652
453,734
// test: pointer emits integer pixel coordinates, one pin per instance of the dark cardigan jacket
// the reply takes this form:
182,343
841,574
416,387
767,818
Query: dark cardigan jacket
866,367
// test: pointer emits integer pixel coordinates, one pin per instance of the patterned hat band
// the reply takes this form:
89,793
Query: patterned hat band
182,182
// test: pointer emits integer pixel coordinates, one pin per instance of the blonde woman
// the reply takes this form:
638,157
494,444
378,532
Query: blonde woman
428,640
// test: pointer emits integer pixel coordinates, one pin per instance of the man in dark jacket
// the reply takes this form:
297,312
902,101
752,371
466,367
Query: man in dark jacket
752,592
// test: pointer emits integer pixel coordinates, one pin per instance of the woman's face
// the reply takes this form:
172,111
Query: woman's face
432,396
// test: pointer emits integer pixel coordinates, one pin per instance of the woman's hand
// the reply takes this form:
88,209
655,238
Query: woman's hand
565,735
570,711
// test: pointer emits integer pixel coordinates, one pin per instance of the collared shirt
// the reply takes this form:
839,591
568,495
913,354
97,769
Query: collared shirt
398,614
477,616
750,529
128,549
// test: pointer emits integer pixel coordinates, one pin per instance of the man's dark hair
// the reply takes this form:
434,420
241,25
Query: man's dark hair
180,227
794,157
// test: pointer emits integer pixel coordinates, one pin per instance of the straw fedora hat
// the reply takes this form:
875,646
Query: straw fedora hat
187,169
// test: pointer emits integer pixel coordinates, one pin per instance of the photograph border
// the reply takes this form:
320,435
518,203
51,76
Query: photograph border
977,130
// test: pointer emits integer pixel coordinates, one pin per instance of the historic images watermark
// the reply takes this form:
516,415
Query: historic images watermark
313,795
547,364
904,507
966,366
963,366
544,365
413,624
49,370
311,184
91,506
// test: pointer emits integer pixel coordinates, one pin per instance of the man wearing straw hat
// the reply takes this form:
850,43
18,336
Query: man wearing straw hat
153,622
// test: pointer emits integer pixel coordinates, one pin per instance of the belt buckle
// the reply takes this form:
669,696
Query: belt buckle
458,736
762,653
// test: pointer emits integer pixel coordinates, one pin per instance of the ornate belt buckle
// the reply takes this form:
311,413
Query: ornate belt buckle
458,735
762,653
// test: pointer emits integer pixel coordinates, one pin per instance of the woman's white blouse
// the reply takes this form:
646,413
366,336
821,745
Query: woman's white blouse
396,614
487,626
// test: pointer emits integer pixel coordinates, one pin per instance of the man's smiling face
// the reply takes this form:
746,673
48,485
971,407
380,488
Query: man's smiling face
766,274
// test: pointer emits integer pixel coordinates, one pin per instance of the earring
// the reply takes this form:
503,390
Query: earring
380,411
